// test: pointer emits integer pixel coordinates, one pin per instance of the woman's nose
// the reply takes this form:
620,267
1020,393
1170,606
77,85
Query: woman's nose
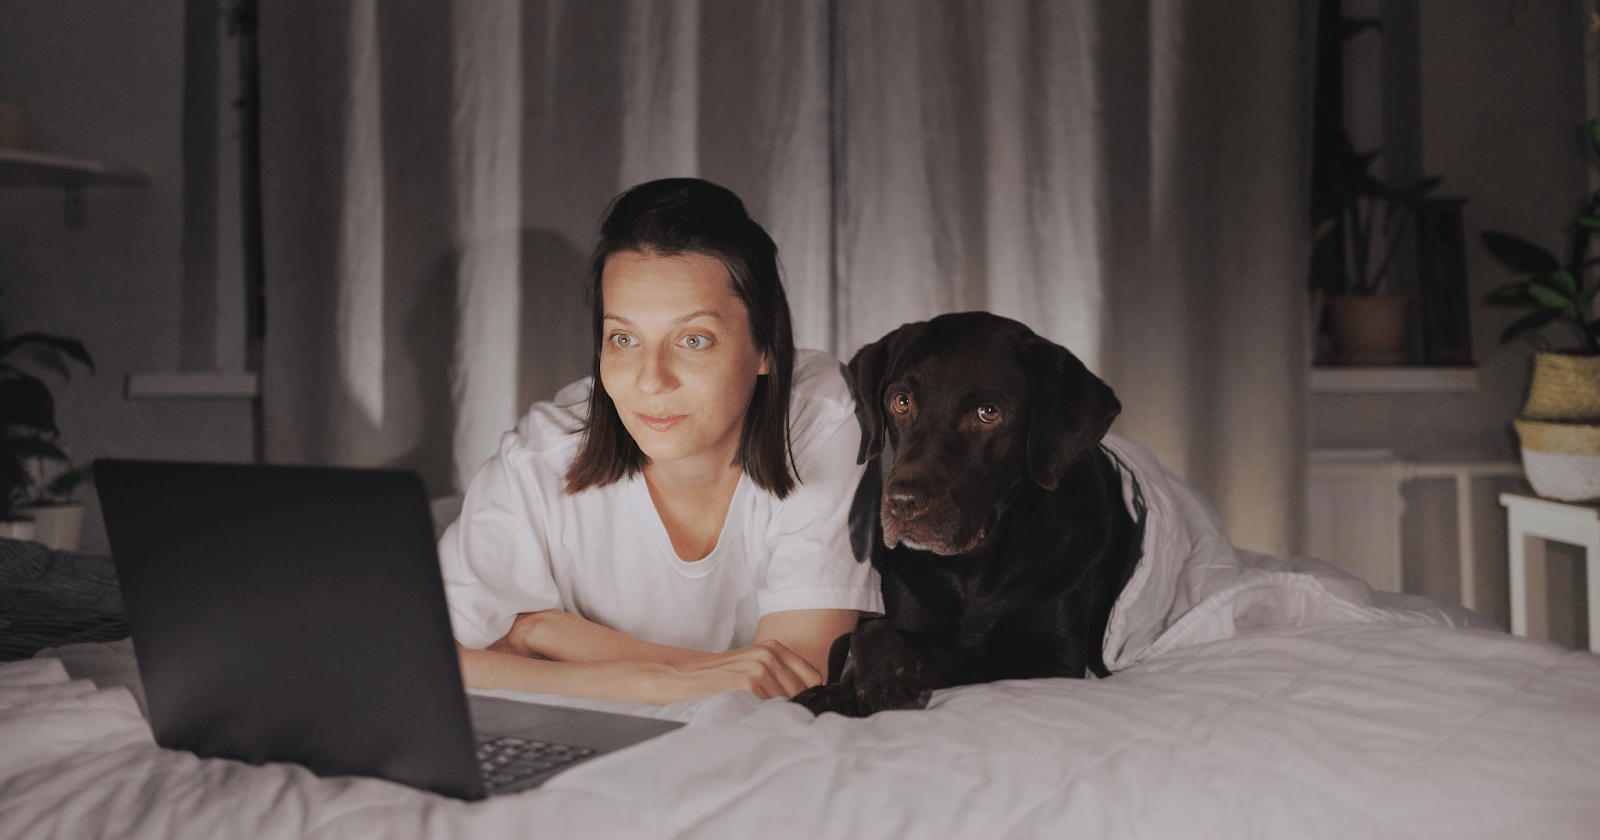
655,375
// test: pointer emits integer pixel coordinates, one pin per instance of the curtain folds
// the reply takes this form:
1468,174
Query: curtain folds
486,167
1123,177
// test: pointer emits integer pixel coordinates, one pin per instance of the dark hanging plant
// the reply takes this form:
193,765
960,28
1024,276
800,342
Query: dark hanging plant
28,414
1556,292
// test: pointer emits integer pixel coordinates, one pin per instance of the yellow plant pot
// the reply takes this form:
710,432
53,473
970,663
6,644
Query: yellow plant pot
1562,460
1565,389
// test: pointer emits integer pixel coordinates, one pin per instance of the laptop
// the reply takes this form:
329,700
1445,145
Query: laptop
298,614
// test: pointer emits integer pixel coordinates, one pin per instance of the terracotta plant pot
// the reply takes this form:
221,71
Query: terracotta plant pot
1368,330
1559,427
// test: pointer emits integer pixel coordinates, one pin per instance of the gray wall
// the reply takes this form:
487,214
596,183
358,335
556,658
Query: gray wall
103,79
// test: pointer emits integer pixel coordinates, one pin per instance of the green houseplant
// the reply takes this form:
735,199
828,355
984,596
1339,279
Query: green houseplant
1370,217
28,432
1559,425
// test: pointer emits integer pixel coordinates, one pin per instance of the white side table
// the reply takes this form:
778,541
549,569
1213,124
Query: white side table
1531,521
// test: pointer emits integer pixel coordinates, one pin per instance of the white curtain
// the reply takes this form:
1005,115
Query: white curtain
1124,177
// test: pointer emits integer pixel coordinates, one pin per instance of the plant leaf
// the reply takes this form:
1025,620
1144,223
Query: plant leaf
1419,189
1589,222
62,485
49,360
35,447
1529,324
70,347
1547,295
25,401
1514,293
1518,254
1563,281
1367,185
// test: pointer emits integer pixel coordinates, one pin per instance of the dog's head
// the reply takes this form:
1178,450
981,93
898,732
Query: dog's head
971,404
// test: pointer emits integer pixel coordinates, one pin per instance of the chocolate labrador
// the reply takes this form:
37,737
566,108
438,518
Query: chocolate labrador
991,512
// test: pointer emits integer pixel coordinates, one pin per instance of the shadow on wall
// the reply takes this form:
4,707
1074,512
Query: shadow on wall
553,347
430,333
555,344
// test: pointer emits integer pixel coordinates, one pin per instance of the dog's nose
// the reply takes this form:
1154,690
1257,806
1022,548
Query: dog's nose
905,505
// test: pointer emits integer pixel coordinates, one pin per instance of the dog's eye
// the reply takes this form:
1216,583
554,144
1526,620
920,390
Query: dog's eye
901,403
988,414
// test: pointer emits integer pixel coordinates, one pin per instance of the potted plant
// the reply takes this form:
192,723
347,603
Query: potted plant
1559,425
30,505
1366,320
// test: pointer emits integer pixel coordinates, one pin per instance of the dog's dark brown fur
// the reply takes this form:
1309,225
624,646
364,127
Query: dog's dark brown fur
993,516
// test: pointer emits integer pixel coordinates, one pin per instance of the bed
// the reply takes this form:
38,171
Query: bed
1253,697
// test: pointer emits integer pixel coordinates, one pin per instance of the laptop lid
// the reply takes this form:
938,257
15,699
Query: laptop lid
291,614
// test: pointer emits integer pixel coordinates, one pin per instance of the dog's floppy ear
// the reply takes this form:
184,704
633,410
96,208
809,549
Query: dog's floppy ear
1071,410
867,370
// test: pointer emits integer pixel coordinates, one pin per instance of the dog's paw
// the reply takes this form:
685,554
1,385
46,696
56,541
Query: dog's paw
897,689
830,697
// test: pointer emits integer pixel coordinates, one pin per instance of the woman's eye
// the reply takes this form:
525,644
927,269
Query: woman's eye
621,340
988,414
695,342
901,402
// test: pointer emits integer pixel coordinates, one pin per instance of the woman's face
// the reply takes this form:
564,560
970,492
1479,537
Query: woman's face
676,355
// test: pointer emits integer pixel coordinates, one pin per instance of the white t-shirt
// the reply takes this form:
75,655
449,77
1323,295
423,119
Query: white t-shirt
522,545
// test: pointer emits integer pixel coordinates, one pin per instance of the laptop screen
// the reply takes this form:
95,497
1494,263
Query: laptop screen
291,614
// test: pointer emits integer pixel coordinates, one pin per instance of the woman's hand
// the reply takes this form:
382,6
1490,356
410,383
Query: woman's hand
766,669
809,633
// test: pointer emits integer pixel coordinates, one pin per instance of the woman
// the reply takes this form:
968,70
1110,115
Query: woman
679,530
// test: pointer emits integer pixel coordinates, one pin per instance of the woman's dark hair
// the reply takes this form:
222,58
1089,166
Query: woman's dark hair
674,217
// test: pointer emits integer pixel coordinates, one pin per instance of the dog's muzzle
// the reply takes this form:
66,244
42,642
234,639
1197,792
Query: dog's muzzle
921,529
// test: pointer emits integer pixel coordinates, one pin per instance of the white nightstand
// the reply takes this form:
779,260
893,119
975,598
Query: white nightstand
1531,521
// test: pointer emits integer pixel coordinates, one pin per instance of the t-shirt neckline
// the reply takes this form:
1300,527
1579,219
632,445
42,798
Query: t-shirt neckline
645,509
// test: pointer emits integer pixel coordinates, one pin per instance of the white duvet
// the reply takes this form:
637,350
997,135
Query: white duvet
1253,697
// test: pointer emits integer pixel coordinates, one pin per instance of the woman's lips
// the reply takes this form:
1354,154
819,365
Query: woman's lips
662,424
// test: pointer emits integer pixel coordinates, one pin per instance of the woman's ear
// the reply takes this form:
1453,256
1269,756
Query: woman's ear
765,367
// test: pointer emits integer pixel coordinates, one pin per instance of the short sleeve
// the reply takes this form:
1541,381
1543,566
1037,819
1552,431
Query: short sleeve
812,565
495,558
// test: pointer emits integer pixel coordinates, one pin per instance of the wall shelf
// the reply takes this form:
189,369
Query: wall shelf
19,168
1393,380
193,385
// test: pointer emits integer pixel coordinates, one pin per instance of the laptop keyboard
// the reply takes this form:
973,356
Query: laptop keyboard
506,760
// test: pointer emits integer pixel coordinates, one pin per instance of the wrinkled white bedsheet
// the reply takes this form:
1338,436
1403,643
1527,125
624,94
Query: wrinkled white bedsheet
1338,731
1253,697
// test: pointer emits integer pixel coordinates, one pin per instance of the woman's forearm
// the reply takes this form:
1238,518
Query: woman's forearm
555,652
564,637
810,633
766,669
637,682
